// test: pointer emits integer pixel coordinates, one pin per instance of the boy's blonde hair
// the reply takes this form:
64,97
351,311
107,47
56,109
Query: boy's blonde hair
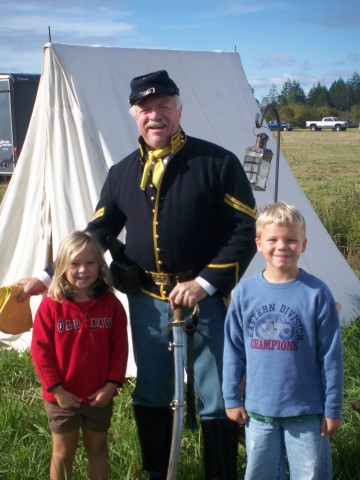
280,213
69,247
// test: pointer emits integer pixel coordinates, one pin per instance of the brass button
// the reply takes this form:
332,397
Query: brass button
160,262
152,199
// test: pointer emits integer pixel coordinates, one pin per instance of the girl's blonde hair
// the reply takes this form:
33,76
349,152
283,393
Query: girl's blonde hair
69,247
280,213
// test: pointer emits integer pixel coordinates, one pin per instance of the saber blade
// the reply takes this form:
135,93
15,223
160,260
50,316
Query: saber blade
178,403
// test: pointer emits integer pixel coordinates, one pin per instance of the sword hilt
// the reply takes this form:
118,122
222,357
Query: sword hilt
178,313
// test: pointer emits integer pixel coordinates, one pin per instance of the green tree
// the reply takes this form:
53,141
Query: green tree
355,113
297,113
343,98
339,95
271,97
292,92
318,96
354,90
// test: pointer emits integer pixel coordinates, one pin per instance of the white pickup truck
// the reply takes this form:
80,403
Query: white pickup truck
327,122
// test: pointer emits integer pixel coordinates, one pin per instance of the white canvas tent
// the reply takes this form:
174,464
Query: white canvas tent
81,126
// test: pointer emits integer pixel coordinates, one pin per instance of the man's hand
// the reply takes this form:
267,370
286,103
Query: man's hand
102,397
32,286
187,294
329,426
237,414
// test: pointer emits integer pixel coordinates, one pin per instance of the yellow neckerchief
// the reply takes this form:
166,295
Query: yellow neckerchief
156,156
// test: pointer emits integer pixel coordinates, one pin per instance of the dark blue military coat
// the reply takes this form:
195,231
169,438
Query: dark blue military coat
201,218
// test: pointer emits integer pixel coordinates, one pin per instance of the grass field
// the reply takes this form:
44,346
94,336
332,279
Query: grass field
325,163
327,167
25,442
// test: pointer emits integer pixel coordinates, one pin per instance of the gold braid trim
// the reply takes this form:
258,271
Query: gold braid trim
235,265
162,296
242,207
99,213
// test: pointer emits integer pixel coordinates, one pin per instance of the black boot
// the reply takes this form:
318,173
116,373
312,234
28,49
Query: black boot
154,426
221,440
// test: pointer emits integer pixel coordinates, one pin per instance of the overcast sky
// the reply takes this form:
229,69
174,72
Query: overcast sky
307,40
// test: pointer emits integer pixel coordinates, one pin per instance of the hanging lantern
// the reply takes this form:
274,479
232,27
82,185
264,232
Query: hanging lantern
257,163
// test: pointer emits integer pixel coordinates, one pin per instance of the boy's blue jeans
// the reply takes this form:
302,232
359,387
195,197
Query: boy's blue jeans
308,454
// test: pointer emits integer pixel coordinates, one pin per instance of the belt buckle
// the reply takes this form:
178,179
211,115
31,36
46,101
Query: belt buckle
160,278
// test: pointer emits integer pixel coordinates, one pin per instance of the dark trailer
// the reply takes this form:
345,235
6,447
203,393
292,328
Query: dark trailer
17,98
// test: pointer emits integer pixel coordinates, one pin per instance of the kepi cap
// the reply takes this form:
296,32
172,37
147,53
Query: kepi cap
155,83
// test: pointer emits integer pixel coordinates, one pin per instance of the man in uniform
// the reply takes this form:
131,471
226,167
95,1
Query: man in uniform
189,216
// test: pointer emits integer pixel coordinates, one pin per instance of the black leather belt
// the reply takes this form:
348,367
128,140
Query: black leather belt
171,279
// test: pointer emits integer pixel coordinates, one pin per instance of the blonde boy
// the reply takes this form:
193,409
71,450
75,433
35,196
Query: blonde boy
282,330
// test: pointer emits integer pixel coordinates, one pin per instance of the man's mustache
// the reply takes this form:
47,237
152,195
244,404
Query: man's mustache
153,124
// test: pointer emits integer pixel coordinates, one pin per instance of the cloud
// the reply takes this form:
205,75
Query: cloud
33,19
352,59
24,28
305,81
276,59
332,16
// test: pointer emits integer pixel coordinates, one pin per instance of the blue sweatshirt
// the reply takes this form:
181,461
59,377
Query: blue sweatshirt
286,337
